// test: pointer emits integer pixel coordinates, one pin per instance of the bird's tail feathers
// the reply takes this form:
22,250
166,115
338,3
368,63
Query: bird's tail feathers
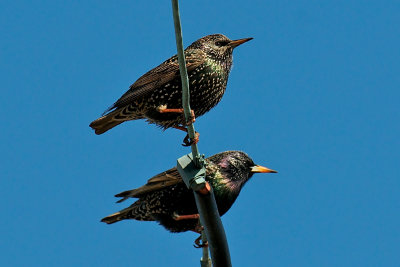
112,119
113,218
125,195
137,211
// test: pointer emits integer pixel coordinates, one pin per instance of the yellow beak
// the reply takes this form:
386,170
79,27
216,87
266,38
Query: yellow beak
262,169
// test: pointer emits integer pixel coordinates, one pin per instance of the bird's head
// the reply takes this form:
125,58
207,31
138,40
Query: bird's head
218,45
237,167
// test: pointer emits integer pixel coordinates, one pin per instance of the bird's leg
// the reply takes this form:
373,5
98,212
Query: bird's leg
186,141
198,229
178,217
164,109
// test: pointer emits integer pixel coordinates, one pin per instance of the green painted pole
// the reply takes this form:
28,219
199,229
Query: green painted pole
205,260
185,81
192,169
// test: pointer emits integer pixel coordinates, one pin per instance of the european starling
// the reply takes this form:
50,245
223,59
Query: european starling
166,199
157,95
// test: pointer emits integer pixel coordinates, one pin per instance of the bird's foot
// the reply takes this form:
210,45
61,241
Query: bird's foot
199,244
188,142
178,217
192,118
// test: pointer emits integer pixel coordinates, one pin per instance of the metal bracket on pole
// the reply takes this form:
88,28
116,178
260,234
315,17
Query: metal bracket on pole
192,176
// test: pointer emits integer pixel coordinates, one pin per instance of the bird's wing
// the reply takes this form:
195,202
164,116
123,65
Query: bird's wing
164,73
158,182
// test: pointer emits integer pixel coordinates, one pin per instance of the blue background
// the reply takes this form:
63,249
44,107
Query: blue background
315,96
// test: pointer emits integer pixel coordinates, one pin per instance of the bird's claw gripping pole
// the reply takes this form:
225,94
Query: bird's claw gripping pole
192,169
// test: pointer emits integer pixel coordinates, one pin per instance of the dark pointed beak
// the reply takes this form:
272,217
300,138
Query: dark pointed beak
262,169
236,43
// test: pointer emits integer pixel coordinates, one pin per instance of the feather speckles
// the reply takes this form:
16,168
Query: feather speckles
166,195
208,65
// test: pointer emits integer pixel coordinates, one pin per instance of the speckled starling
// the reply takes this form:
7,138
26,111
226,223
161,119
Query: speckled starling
166,199
158,94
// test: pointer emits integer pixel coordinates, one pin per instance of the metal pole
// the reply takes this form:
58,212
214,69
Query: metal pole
185,80
192,169
205,260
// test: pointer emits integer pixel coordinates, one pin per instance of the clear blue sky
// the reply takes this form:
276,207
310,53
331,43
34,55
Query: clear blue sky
315,96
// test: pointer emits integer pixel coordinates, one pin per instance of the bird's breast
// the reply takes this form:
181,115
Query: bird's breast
207,85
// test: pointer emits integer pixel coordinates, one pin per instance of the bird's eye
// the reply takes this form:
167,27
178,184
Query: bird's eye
221,43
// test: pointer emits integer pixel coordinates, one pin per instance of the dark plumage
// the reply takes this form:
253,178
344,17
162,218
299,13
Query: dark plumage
208,61
165,197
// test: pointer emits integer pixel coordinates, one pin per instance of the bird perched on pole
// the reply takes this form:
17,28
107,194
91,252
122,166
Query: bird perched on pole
157,95
166,199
